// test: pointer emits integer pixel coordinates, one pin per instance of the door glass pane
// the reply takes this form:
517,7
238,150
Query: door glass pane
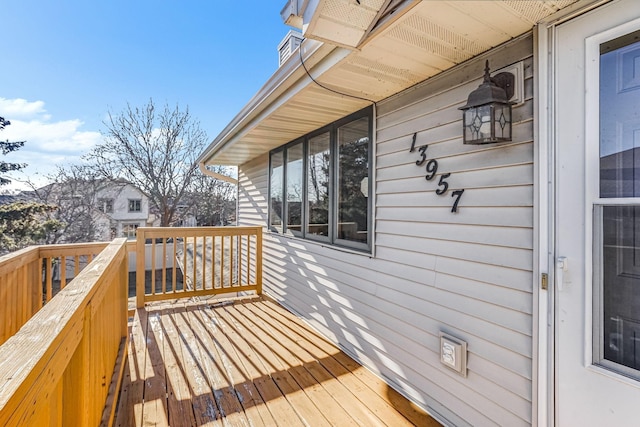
621,284
319,161
294,188
275,190
620,118
617,301
353,181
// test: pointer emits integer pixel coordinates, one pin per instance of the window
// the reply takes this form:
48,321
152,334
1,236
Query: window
129,230
275,190
135,205
319,184
318,167
294,190
105,205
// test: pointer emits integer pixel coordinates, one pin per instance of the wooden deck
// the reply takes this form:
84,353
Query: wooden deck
247,362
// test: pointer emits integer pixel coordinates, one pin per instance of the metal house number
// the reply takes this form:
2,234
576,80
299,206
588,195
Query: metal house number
432,168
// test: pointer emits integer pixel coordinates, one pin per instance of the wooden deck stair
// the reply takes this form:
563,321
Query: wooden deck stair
247,362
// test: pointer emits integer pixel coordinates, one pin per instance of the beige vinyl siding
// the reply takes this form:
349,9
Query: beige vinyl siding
253,192
468,274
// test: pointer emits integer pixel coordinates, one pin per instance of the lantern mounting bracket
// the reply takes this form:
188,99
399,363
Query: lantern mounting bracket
506,81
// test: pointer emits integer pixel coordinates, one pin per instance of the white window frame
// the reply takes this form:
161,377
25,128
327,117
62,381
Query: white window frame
137,203
332,238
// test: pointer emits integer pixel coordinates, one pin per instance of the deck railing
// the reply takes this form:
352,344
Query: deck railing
63,313
66,362
196,261
31,277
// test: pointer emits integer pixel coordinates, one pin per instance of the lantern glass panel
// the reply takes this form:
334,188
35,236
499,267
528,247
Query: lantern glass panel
502,122
477,121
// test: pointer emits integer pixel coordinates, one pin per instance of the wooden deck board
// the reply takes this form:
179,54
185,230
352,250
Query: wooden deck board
275,399
249,362
196,385
307,337
329,360
241,376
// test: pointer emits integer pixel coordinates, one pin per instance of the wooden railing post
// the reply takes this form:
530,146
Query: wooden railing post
259,260
140,268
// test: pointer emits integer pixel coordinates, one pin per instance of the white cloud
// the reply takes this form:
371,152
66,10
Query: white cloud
64,136
48,143
21,109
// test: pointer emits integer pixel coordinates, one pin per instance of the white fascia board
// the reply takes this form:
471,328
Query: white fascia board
294,12
283,80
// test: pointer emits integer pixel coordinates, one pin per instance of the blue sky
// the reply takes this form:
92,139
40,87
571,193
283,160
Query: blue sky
66,63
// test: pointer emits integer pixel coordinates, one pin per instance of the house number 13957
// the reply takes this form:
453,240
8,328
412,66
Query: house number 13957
432,169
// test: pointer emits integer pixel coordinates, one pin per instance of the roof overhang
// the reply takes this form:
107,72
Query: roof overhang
326,81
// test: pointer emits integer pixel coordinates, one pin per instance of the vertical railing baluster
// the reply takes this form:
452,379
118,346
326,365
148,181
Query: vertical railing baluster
195,264
153,266
223,262
20,287
174,265
141,275
249,258
185,273
164,265
214,258
63,272
204,262
240,281
76,265
48,278
259,260
232,260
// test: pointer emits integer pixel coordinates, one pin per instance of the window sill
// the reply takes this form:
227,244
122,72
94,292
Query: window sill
338,248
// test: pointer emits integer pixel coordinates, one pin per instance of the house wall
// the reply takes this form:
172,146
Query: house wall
121,214
468,274
121,196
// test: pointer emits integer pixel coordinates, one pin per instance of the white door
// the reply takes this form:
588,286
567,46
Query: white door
597,293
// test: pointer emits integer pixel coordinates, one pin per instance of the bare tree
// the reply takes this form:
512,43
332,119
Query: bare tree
214,201
74,190
156,151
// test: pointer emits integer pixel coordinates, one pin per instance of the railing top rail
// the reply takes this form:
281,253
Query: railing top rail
157,232
17,259
25,355
71,249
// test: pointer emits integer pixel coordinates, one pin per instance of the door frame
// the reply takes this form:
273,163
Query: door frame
544,381
544,386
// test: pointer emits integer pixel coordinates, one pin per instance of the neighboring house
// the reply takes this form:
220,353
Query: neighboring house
492,284
124,208
109,209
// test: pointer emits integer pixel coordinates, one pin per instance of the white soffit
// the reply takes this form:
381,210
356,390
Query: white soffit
343,22
429,38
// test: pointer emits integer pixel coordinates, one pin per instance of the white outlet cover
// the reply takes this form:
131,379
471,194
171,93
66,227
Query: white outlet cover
453,354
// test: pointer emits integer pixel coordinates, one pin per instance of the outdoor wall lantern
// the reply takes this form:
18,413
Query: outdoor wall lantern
486,118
